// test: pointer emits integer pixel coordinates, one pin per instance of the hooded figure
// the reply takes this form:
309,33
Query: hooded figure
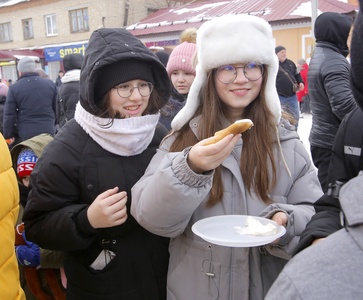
81,185
330,94
68,93
347,152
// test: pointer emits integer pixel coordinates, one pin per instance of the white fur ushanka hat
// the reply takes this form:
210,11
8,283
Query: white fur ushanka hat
232,39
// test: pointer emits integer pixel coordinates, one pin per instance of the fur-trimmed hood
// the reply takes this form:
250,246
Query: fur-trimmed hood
232,39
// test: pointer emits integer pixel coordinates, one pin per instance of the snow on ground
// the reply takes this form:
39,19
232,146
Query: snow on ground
304,130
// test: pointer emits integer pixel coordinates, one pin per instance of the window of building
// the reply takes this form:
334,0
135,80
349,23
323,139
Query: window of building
79,20
5,33
28,29
50,25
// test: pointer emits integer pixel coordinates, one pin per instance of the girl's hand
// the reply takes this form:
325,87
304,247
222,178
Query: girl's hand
203,158
281,219
108,209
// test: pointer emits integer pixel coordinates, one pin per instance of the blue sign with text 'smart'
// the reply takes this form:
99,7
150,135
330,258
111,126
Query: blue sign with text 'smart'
57,53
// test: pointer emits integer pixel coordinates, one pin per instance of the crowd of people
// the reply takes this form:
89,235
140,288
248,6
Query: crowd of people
108,168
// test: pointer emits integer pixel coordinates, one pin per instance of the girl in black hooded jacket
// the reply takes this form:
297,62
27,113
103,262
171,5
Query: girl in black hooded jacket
81,197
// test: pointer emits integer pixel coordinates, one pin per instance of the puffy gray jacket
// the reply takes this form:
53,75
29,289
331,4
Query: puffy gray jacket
170,198
332,269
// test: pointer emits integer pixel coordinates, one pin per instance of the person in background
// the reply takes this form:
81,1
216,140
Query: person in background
42,73
303,95
58,81
265,173
9,207
347,152
81,185
288,82
182,73
37,266
330,94
3,93
30,105
68,93
332,269
163,56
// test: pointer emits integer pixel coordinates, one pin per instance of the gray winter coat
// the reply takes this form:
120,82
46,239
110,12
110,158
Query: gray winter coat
331,269
170,198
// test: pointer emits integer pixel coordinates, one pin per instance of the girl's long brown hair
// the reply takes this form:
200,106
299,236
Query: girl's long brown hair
257,158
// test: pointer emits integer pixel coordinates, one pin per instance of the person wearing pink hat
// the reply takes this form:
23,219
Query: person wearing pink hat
182,73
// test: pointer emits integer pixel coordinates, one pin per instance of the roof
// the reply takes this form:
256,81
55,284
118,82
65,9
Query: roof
276,12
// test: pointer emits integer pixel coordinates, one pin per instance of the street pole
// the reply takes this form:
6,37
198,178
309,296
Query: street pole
314,15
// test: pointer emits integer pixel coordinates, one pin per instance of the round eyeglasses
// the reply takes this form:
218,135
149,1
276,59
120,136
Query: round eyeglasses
228,73
125,90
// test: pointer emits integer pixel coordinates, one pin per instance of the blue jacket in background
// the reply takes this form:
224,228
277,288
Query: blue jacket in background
30,107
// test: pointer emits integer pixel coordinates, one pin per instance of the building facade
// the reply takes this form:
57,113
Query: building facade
291,21
49,29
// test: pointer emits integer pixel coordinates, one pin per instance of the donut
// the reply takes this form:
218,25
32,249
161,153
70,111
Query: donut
237,127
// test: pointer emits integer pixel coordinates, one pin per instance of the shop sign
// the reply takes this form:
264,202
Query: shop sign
57,53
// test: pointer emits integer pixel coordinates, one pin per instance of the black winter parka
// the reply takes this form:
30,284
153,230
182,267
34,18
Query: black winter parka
331,98
74,169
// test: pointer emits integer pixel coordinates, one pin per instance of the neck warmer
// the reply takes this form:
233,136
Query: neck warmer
125,137
71,75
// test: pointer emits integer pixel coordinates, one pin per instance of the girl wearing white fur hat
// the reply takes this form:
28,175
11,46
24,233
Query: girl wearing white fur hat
264,172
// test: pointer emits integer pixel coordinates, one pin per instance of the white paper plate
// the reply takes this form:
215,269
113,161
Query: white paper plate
220,230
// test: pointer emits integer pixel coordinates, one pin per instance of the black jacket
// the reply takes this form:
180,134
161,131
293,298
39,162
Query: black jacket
345,164
67,99
73,170
283,81
68,93
30,107
330,93
63,187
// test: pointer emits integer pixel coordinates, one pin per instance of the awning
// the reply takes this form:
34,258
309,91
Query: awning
10,55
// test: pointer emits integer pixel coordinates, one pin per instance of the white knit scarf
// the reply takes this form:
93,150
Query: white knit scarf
126,137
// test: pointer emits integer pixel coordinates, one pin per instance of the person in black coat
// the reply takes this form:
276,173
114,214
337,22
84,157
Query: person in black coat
68,93
331,98
30,105
81,186
347,153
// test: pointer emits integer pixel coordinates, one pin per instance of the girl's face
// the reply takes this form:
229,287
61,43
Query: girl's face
240,91
131,98
182,81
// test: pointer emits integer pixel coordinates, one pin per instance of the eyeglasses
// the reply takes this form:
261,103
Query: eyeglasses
125,90
228,73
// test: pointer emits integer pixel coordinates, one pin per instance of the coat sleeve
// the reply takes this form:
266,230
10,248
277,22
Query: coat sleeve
327,218
54,218
337,86
166,209
304,190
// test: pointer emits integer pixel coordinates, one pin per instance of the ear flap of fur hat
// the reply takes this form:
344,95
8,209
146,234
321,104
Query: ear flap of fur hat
232,39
